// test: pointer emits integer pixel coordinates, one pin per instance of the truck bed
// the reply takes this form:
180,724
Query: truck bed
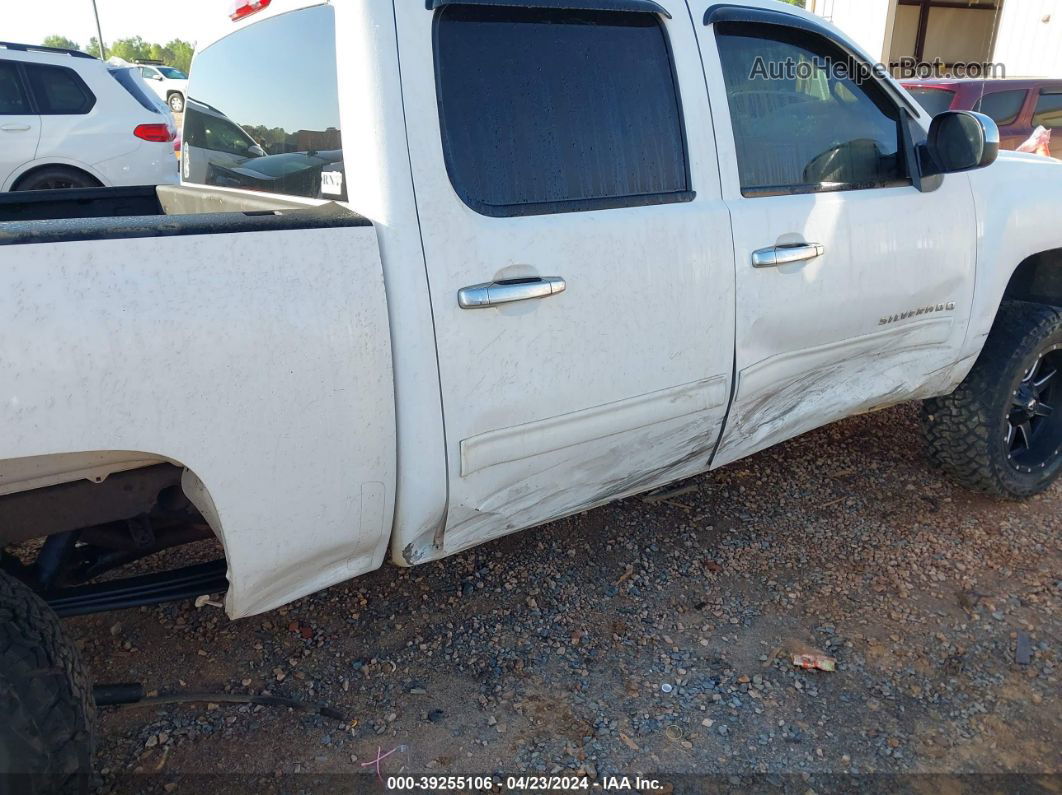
242,339
55,216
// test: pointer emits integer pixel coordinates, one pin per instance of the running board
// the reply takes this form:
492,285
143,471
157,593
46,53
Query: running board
145,589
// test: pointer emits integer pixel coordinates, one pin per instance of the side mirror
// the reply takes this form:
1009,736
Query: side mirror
255,150
960,140
156,77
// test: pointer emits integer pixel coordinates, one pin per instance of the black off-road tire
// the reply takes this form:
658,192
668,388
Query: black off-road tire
966,430
47,715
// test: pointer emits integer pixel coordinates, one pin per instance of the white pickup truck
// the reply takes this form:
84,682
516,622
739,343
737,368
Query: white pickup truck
453,269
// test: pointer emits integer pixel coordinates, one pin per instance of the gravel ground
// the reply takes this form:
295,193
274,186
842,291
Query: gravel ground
644,637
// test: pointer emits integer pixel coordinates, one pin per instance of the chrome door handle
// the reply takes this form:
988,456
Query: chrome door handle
15,127
786,255
509,290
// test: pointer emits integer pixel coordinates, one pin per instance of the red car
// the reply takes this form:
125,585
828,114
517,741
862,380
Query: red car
1017,106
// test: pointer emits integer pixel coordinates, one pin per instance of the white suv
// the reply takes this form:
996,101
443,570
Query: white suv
169,83
67,120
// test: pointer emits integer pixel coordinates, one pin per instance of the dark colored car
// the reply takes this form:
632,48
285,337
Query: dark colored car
297,173
1017,106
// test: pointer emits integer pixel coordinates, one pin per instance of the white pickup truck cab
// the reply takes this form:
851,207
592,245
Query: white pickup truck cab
466,267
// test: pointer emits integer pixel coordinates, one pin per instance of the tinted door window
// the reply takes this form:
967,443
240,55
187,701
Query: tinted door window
550,111
1002,107
13,100
58,90
263,109
800,123
1049,112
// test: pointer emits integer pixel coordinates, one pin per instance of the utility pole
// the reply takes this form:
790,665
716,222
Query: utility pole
99,32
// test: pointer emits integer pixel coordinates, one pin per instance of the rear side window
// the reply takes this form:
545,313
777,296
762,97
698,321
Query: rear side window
934,100
13,100
129,80
1049,112
59,91
548,111
1002,107
263,109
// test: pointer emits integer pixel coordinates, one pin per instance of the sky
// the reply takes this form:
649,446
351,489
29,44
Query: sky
29,21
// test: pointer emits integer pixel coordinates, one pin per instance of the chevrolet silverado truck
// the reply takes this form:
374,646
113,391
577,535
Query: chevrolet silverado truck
442,271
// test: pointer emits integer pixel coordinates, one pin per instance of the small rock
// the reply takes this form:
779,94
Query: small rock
1023,649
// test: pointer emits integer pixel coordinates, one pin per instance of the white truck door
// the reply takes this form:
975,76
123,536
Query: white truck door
20,129
854,288
578,253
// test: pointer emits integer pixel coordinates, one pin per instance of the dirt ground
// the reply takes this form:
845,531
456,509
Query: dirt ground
651,637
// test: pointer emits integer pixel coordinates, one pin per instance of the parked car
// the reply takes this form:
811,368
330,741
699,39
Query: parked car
210,139
1018,107
168,82
581,254
67,120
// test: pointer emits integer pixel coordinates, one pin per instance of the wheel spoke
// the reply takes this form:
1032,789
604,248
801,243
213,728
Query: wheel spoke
1042,383
1026,434
1011,431
1044,410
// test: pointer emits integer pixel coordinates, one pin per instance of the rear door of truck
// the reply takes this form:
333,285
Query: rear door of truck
578,252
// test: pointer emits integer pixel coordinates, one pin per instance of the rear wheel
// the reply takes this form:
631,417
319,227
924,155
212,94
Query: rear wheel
56,178
46,733
1000,432
176,102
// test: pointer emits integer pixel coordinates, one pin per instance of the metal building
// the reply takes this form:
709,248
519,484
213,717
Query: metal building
1025,36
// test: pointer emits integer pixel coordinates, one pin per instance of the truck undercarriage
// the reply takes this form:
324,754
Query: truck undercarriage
63,541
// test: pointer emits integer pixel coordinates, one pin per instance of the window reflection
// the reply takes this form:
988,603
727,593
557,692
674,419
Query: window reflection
263,109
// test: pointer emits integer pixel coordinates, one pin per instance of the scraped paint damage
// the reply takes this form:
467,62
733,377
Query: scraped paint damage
600,475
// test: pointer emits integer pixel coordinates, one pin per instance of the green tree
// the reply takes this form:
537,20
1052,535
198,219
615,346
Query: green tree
62,42
800,3
130,49
181,57
176,53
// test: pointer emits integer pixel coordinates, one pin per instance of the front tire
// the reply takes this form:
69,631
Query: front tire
1000,432
176,102
47,729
